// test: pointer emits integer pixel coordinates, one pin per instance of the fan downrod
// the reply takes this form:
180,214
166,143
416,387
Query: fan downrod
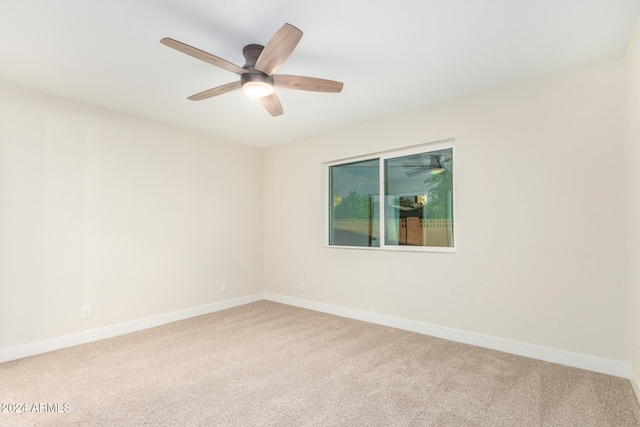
251,52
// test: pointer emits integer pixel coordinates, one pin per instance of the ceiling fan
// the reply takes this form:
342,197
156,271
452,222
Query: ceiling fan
257,78
417,166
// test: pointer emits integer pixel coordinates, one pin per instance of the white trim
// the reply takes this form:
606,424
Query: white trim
582,361
591,363
31,349
635,383
390,248
415,148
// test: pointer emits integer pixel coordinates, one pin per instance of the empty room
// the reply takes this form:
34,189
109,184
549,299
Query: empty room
429,215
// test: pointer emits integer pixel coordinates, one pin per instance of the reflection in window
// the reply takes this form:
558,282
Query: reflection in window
354,215
419,199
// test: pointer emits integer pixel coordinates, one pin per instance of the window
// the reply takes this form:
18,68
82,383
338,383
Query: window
355,201
415,211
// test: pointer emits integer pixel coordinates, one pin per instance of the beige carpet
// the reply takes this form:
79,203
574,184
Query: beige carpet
267,364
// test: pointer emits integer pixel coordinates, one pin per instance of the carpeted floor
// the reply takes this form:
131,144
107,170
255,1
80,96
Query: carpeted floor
268,364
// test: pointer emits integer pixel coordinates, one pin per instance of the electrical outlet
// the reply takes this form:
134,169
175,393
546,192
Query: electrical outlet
223,287
85,312
301,285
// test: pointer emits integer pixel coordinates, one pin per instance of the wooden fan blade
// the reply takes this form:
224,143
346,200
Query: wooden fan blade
417,171
278,49
272,104
220,90
202,55
307,83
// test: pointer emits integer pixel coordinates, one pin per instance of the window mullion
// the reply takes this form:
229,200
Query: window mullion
382,227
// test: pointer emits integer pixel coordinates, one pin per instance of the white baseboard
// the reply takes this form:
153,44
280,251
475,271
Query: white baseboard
31,349
591,363
635,383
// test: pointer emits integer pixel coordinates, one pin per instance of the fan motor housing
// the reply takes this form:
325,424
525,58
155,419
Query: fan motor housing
255,76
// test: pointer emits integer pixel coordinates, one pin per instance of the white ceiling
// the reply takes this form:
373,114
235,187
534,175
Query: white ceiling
391,55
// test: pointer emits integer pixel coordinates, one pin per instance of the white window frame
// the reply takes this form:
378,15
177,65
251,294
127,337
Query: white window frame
382,156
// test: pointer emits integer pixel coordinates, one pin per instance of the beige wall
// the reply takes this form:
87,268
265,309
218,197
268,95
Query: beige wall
138,218
540,217
135,218
633,194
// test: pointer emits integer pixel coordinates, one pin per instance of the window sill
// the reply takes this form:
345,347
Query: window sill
422,249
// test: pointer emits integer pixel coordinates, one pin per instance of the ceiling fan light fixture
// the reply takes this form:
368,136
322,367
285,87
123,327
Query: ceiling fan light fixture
257,89
436,171
257,78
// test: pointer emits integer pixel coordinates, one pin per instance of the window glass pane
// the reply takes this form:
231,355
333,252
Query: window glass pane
419,199
354,205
